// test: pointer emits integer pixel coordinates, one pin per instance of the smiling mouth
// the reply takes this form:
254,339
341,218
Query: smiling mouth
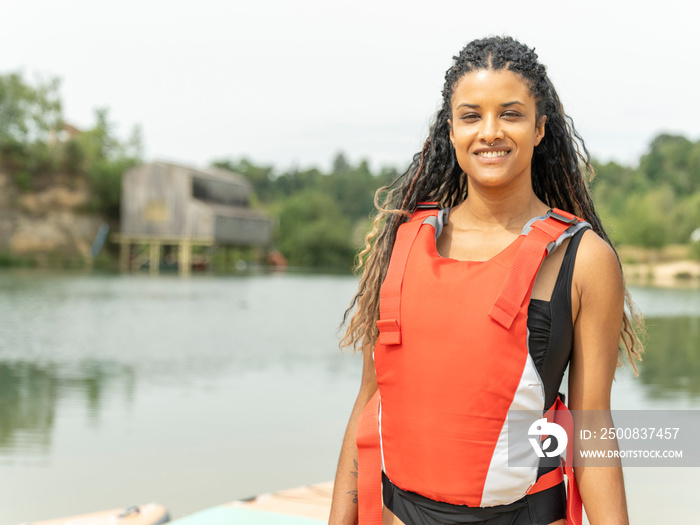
492,154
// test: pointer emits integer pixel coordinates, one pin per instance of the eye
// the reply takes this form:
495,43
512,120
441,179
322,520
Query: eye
470,117
511,114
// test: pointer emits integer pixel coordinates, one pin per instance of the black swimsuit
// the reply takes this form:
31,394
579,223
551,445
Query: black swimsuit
551,335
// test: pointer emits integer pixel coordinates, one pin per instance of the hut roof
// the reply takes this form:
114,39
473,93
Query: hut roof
237,211
212,173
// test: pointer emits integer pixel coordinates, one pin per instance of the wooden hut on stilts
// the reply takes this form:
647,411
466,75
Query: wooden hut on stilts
168,210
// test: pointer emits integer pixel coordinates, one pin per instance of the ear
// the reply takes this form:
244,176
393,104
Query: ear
452,135
539,129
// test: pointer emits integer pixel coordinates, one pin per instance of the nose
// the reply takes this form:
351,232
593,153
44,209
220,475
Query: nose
490,129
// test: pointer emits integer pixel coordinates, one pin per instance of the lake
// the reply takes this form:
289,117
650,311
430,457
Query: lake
119,390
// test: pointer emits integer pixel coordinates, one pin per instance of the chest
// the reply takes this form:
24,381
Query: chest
475,246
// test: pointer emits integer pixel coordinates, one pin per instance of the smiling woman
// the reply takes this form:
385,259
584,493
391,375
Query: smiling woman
488,272
495,127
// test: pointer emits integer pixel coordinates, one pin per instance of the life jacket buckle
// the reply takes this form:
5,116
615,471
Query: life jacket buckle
428,206
562,216
389,332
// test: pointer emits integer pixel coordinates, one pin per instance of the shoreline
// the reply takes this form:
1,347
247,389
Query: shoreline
673,274
670,274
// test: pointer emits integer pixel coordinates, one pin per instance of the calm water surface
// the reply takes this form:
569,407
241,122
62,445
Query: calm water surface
119,390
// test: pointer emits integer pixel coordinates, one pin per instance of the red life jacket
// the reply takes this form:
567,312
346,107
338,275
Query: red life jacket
451,361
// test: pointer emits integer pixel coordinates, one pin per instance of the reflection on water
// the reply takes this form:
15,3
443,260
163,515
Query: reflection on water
91,338
167,382
30,394
672,360
667,302
235,383
27,407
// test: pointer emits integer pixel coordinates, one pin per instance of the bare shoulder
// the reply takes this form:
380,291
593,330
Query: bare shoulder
596,259
597,302
597,276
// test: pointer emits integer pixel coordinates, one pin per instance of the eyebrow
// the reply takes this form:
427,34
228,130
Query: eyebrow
505,104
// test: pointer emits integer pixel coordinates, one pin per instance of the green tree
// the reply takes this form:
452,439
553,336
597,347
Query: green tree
644,221
312,232
106,159
352,187
685,218
672,160
658,202
340,163
28,115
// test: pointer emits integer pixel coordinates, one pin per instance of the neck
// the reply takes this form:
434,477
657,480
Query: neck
499,208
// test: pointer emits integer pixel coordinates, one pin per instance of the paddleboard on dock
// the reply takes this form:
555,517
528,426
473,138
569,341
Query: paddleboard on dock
150,514
308,505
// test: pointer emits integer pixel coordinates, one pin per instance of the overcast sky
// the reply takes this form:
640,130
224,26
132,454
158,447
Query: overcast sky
291,83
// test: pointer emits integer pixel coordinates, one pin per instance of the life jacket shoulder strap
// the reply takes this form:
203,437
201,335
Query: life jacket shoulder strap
544,237
389,322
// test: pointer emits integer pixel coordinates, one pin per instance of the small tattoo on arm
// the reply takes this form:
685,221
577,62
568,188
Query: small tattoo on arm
354,473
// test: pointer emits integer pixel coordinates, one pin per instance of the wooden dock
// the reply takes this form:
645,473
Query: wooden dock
307,505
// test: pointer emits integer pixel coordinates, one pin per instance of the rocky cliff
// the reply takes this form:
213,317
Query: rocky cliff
48,227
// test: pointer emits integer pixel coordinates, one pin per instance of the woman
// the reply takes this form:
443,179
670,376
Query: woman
481,310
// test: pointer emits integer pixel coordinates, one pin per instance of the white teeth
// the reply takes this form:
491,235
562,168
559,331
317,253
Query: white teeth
491,154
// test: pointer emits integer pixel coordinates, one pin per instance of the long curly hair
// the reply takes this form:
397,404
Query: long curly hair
560,168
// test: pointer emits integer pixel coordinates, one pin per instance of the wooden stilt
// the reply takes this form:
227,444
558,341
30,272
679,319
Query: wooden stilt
184,262
124,255
154,258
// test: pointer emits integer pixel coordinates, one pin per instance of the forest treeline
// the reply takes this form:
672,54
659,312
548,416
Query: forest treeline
323,216
658,202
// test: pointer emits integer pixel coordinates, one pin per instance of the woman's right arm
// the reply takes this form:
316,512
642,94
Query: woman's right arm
344,504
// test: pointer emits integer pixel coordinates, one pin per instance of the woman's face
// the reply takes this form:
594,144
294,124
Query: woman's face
494,128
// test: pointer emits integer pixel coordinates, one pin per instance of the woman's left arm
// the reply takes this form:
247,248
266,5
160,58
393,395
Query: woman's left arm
598,308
